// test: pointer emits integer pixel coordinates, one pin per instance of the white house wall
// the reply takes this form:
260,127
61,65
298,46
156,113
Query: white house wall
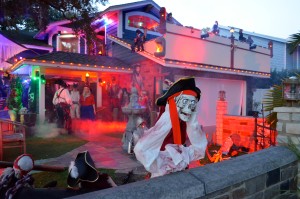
210,87
8,49
196,50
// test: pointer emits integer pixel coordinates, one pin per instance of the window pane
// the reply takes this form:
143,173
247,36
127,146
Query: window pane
68,44
138,21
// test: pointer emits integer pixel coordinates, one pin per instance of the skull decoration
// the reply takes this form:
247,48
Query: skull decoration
186,106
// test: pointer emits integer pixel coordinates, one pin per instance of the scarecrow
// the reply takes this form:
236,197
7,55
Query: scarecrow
177,138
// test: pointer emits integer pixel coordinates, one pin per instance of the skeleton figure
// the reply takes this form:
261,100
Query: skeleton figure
186,105
164,149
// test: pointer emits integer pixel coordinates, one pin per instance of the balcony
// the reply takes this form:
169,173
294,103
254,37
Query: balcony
185,48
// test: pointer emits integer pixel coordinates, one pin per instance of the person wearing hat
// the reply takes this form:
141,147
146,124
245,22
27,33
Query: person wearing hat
163,148
62,102
87,104
75,108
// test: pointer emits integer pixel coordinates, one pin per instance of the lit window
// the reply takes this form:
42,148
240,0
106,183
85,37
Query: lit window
68,44
141,20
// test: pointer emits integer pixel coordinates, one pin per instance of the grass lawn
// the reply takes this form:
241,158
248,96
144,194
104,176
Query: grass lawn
42,178
44,148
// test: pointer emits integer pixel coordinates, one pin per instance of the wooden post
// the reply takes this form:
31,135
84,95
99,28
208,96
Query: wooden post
4,164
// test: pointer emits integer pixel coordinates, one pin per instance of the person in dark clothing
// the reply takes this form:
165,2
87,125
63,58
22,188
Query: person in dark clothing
251,43
138,41
62,102
241,36
215,28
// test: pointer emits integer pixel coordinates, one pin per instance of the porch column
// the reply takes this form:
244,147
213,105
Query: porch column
99,93
40,93
42,108
221,111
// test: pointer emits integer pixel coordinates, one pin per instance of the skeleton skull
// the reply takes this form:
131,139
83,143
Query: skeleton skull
186,106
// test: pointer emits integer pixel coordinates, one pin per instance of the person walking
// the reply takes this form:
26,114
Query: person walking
62,102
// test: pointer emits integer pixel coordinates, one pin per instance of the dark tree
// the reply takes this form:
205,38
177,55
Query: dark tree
37,14
294,42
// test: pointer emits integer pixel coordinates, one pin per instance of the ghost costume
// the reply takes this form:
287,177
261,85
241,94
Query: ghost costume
174,157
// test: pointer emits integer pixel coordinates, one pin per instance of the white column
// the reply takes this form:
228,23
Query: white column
120,25
99,93
41,95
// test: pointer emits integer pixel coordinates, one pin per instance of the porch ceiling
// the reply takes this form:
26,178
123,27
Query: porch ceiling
75,61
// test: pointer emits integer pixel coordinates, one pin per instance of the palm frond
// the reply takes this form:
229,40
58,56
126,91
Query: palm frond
294,41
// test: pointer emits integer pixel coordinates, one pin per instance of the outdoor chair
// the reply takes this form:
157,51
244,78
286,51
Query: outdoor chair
12,135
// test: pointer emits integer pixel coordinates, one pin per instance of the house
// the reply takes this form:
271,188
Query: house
16,45
171,51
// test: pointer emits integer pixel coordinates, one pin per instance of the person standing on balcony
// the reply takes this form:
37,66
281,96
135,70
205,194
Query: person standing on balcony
170,18
139,41
241,36
215,28
62,102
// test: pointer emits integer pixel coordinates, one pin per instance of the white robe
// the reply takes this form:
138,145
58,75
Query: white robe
174,157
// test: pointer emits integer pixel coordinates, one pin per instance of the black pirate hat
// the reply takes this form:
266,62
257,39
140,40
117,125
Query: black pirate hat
61,82
86,169
187,83
138,31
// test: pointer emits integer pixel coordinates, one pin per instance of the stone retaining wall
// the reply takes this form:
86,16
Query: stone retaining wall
269,173
288,127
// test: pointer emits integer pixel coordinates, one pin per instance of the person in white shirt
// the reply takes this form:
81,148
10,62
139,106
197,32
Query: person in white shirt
75,108
62,102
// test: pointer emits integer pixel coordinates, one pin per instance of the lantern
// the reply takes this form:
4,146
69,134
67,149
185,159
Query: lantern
291,89
222,95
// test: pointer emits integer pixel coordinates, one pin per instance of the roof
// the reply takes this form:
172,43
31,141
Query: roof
77,58
23,38
148,4
75,61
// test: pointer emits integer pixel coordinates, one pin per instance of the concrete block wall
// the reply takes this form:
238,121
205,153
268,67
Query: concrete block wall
269,173
288,127
288,124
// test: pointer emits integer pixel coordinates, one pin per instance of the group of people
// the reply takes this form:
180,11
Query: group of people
215,30
249,40
73,105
